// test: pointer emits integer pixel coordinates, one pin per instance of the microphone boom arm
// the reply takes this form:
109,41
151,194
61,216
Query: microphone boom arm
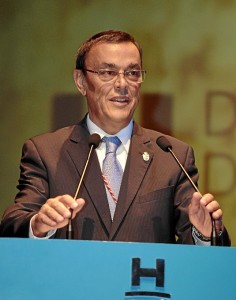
164,144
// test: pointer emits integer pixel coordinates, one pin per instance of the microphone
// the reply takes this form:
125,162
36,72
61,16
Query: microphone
166,146
94,141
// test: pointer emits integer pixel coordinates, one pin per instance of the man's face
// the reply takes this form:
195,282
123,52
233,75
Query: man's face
111,104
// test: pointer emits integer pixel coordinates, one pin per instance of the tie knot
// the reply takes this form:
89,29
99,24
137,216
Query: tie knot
112,143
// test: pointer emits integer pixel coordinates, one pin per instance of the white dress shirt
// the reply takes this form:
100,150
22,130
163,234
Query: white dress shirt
124,135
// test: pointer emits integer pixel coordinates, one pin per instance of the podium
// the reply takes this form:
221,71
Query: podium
90,270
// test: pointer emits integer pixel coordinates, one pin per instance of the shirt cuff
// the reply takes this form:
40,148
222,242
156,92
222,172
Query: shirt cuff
48,235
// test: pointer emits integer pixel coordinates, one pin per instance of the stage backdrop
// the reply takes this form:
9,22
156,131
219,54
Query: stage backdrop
189,54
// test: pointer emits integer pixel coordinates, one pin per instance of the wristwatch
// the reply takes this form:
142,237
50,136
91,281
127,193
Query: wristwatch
199,235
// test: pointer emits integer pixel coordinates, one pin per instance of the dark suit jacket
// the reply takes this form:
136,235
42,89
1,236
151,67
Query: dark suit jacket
153,199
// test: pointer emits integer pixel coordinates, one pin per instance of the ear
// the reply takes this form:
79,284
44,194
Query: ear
80,81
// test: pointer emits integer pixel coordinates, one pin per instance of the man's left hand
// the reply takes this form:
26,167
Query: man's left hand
202,210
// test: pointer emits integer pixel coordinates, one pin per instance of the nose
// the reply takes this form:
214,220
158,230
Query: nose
121,81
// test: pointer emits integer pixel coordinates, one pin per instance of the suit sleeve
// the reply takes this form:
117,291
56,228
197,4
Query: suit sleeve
33,191
183,197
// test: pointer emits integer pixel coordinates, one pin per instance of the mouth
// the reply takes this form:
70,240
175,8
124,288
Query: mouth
120,99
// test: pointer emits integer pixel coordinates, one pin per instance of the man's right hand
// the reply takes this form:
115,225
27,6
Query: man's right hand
55,214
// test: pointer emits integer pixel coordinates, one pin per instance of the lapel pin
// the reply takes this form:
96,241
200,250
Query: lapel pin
146,156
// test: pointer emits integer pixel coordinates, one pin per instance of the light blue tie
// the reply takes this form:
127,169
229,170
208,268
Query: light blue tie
112,172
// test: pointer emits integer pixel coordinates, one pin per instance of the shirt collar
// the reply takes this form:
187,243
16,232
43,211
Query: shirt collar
124,134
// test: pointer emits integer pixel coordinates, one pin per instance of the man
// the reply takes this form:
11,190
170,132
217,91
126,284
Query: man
155,201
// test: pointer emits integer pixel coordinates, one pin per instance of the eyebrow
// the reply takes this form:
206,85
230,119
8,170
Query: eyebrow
130,66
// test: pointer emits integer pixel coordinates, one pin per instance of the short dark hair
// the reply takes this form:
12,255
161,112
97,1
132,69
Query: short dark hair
110,36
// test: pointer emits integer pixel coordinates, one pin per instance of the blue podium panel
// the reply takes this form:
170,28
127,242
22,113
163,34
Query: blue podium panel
84,270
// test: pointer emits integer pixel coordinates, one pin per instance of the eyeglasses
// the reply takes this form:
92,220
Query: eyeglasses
136,76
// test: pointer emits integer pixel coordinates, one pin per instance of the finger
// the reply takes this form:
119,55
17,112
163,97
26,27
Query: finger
217,216
213,206
195,203
68,201
206,199
81,203
43,220
59,208
53,215
196,197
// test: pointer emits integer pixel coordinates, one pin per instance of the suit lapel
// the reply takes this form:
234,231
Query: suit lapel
78,150
139,159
